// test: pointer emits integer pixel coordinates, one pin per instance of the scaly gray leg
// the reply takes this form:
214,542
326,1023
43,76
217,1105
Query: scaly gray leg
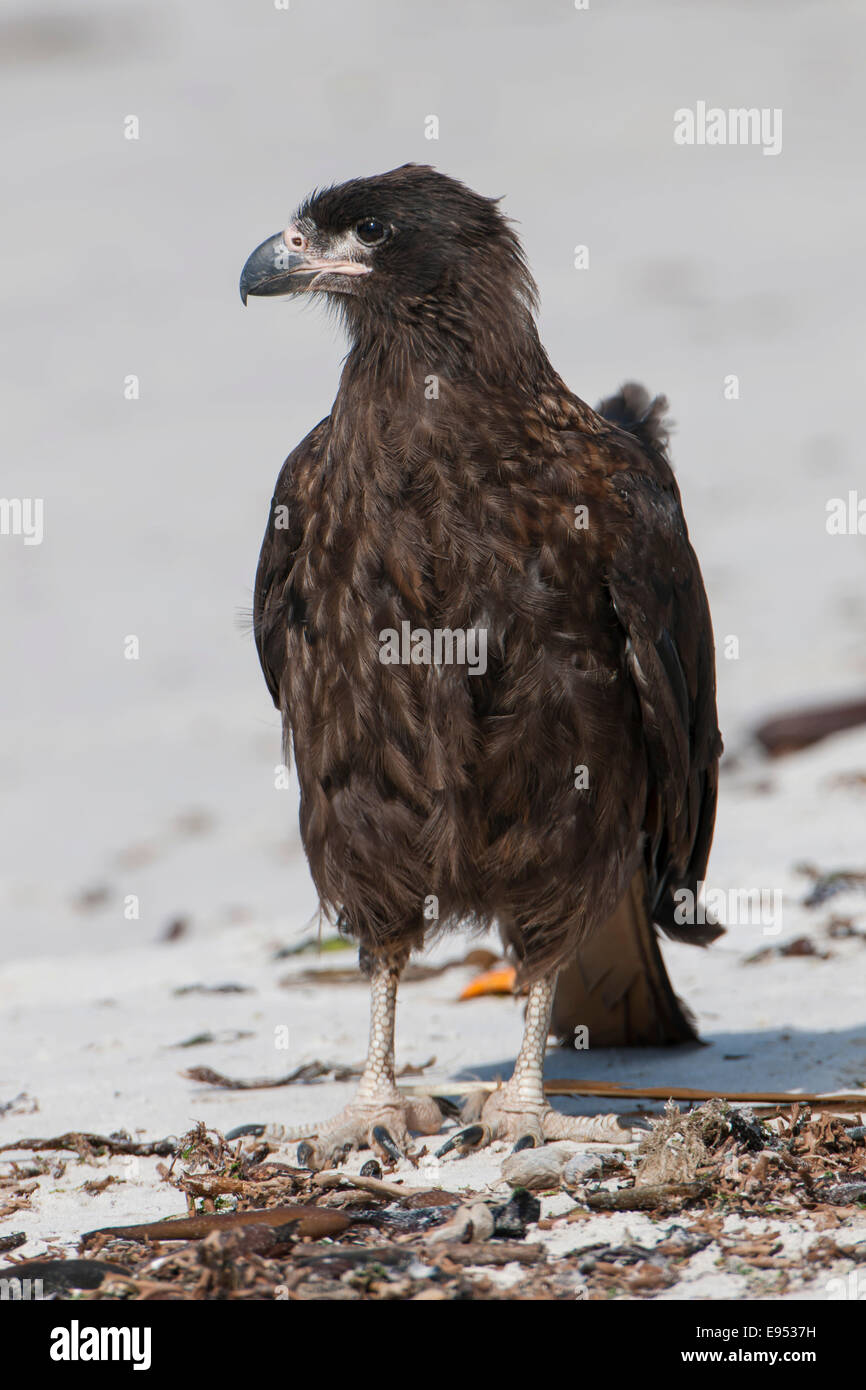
380,1116
518,1111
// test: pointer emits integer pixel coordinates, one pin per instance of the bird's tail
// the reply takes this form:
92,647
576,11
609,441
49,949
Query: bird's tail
617,985
632,409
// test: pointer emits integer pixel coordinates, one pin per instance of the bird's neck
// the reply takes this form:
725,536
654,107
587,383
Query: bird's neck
415,361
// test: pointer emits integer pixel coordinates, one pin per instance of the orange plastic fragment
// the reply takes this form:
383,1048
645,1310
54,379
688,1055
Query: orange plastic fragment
497,981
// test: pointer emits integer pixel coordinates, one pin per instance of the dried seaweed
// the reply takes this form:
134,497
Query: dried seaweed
302,1075
22,1104
660,1198
228,988
827,885
88,1145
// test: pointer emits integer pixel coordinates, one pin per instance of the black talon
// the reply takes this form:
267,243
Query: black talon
526,1141
449,1110
241,1130
371,1169
306,1154
465,1139
381,1137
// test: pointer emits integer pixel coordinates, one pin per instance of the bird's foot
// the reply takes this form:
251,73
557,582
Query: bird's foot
503,1114
381,1122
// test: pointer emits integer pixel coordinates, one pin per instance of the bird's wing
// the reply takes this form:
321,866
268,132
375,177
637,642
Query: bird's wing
275,605
659,599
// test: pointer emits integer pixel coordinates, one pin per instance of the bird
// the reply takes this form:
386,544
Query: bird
480,616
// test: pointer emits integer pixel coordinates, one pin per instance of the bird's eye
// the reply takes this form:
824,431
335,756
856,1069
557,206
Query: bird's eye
371,231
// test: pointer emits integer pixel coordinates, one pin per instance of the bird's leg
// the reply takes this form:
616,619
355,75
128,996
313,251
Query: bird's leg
518,1111
380,1116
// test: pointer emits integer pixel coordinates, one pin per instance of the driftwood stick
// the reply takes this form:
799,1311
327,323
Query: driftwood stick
846,1100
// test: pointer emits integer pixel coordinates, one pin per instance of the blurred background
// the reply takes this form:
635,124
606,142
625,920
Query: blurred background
155,777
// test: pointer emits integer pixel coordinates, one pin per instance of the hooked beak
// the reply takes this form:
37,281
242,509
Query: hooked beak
273,269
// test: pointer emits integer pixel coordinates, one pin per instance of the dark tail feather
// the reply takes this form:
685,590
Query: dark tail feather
633,410
617,985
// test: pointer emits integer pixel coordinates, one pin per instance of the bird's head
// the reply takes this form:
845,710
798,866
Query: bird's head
400,250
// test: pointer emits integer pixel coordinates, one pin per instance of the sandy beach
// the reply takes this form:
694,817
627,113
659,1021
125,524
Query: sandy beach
147,844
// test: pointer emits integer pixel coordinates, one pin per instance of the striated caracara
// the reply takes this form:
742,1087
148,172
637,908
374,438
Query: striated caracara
480,616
